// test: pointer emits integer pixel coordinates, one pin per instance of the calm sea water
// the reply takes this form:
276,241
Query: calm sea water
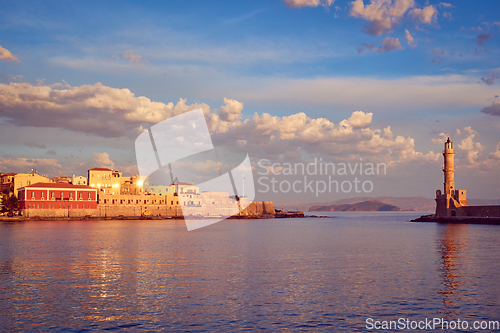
285,274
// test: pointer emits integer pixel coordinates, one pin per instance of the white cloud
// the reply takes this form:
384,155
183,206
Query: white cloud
385,15
22,164
446,5
102,161
6,55
96,109
391,44
496,154
409,38
307,3
473,149
425,15
441,139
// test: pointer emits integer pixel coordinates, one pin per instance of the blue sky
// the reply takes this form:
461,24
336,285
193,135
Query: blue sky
422,68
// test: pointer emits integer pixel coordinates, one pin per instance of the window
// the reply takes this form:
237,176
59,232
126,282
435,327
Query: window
29,206
20,184
59,205
32,194
90,196
71,195
42,205
80,195
64,206
37,206
71,206
43,195
62,195
28,182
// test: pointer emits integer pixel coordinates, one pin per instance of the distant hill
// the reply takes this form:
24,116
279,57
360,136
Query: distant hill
417,203
365,206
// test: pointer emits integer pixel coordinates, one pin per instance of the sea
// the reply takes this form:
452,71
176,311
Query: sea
347,272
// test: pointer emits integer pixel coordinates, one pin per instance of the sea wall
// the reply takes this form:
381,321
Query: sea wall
115,210
58,212
481,211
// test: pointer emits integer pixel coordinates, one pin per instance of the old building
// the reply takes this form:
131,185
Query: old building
105,180
57,199
7,182
79,180
26,179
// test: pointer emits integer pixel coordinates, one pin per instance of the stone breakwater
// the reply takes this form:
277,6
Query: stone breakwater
458,220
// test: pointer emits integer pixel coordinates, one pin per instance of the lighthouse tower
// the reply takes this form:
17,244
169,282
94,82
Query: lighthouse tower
449,167
449,202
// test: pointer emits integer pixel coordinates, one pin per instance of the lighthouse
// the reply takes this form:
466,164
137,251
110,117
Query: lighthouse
450,202
449,167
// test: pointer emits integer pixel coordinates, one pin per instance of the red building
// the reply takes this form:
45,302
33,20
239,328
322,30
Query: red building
57,196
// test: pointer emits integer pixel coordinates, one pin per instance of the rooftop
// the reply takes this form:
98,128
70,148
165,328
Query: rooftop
59,185
100,169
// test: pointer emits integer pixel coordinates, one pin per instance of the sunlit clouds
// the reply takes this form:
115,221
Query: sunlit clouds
6,55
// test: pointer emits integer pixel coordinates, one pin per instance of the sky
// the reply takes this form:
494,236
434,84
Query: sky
287,81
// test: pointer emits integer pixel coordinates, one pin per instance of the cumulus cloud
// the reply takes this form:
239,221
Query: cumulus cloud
295,136
493,109
22,164
482,39
469,130
6,55
102,160
231,111
385,15
96,109
359,119
496,154
391,44
109,112
441,139
409,38
425,15
388,44
473,149
307,3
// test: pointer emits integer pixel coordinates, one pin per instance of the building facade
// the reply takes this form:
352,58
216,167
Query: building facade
7,182
26,179
57,199
79,180
105,180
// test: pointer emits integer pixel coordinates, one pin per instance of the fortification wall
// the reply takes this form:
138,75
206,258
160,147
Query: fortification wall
259,208
137,210
113,210
482,211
